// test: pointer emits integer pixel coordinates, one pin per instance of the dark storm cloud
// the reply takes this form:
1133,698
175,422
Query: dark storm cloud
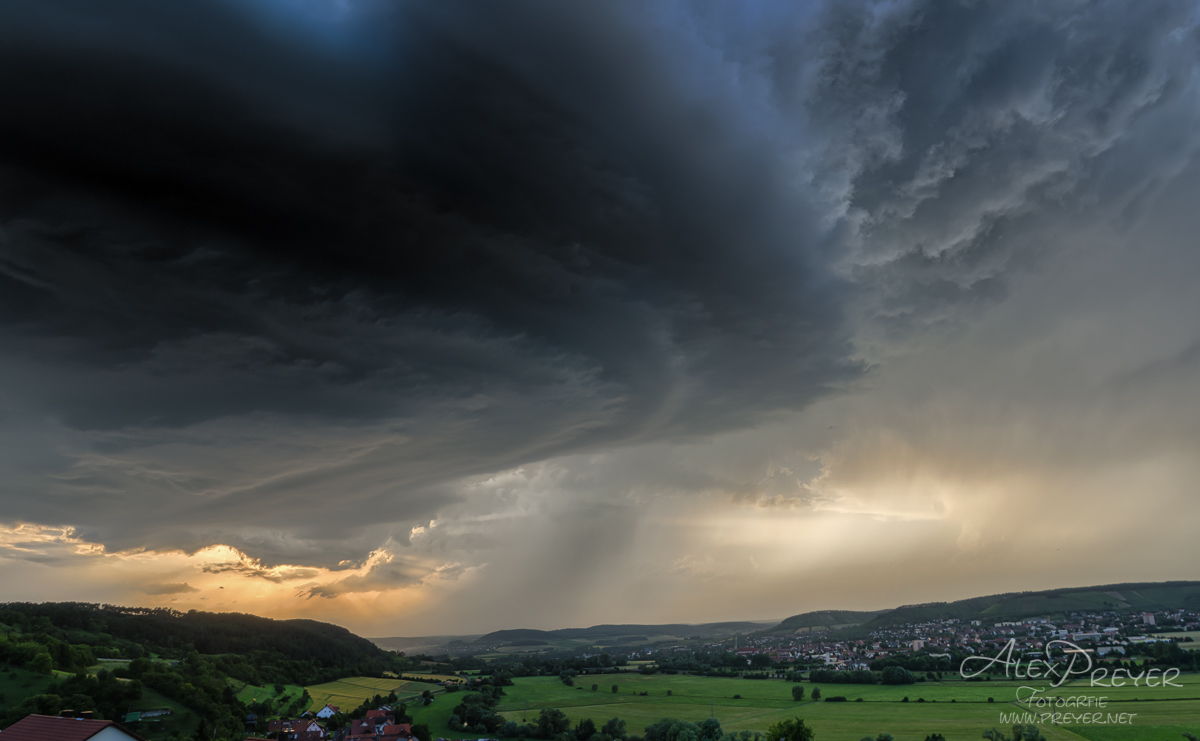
188,222
965,136
498,234
276,274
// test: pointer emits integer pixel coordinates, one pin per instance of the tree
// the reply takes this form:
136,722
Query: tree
710,730
816,693
421,732
1028,732
897,675
551,722
797,692
585,729
792,729
935,737
202,733
673,729
595,687
614,689
760,661
615,728
41,664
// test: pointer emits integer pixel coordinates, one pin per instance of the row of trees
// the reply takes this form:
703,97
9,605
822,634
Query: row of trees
889,675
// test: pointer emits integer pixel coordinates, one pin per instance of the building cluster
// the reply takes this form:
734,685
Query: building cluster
378,725
1104,633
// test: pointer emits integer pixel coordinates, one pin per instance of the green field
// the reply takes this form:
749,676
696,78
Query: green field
180,723
350,692
17,684
956,709
253,693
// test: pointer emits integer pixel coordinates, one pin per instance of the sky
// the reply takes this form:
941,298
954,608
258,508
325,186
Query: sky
438,317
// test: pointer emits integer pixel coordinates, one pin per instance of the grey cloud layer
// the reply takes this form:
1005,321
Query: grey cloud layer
257,258
476,236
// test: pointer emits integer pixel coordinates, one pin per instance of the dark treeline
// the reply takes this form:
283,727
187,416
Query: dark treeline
889,675
292,651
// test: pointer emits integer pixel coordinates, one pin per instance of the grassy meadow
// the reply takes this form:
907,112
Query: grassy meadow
956,709
253,693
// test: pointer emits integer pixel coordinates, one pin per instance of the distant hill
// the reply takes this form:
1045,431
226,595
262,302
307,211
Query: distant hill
1135,597
414,644
1138,597
597,632
825,619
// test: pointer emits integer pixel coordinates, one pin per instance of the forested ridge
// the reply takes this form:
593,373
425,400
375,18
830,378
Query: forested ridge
194,658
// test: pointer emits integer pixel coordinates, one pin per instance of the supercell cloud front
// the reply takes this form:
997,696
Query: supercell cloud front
594,313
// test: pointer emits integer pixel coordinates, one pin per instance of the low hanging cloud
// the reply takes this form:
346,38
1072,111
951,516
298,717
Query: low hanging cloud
161,589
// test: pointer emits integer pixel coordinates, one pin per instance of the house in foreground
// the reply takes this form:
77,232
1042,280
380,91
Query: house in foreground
66,727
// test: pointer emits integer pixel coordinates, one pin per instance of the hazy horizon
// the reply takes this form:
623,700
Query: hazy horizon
431,317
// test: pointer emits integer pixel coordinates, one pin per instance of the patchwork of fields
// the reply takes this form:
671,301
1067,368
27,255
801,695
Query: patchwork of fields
350,692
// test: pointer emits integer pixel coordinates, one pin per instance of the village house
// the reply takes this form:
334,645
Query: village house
379,725
67,727
295,730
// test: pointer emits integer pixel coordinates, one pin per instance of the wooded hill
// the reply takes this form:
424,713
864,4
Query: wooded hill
195,659
1132,597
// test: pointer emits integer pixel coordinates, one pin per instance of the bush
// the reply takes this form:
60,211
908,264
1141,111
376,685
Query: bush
835,698
737,697
595,687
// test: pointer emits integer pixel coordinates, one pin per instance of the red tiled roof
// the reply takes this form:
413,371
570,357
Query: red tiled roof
377,713
51,728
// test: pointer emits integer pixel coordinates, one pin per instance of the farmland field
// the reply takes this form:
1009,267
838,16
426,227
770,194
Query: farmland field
956,709
350,692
